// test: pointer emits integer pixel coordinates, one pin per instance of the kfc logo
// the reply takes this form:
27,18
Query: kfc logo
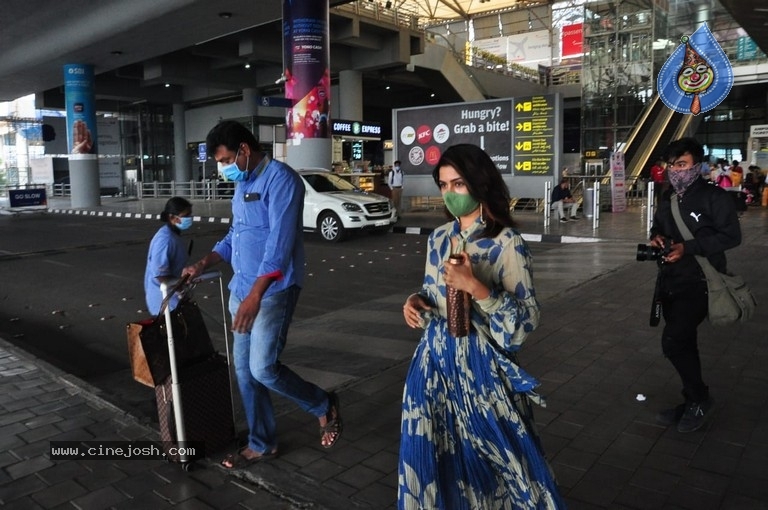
424,135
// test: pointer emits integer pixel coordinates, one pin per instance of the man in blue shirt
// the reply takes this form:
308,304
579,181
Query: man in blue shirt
265,247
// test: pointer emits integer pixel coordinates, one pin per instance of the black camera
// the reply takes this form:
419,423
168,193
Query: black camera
648,252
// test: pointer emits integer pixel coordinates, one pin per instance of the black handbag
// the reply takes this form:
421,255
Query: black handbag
148,342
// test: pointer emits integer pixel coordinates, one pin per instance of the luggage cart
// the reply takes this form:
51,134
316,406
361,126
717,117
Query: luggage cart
201,384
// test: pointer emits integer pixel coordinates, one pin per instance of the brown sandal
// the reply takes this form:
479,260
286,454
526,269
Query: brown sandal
333,425
240,461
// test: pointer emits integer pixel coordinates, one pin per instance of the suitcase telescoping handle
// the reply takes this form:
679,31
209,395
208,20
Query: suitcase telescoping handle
210,275
178,413
167,289
183,286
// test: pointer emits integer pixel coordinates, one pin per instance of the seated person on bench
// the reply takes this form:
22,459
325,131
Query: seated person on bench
562,195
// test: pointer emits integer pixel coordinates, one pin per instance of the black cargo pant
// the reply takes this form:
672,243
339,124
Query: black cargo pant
684,309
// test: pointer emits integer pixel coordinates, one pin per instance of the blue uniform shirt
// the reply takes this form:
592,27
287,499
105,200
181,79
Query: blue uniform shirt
167,257
265,237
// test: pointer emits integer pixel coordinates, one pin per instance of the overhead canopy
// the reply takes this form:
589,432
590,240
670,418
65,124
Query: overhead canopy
152,51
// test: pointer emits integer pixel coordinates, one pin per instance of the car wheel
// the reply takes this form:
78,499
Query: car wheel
330,227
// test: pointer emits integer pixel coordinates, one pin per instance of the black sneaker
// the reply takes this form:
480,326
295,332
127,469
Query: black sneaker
671,416
574,217
696,413
563,220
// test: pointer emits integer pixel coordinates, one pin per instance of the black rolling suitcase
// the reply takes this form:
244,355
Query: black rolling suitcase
207,410
194,404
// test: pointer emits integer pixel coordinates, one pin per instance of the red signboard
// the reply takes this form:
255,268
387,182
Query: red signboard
572,37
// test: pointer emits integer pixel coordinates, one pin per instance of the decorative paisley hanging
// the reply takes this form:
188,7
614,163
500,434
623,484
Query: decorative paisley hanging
697,76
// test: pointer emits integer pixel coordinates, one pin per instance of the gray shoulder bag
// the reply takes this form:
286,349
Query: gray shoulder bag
730,300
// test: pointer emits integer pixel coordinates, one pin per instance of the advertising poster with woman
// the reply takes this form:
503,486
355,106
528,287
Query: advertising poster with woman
307,74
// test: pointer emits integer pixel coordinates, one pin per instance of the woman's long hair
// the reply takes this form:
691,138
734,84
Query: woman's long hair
484,182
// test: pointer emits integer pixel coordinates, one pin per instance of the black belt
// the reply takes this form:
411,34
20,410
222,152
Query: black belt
396,187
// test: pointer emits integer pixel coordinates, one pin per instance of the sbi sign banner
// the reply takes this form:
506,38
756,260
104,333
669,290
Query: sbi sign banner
81,110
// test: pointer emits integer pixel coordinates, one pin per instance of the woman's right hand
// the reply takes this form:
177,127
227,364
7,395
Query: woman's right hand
412,309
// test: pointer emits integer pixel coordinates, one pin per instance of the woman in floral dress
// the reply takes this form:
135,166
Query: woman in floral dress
467,440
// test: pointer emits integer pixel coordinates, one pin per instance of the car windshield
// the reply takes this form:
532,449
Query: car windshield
324,183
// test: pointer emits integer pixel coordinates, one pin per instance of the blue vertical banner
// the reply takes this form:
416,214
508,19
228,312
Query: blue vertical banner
306,47
80,100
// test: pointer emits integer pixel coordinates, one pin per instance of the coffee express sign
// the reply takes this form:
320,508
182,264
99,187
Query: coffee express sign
356,128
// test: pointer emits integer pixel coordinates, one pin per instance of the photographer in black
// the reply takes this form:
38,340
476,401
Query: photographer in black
710,214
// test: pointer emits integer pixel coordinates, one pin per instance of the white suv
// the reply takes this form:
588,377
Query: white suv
333,205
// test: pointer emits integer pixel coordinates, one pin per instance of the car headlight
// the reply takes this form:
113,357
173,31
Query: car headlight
349,206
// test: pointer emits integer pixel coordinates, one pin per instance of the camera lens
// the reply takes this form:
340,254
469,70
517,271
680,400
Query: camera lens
647,252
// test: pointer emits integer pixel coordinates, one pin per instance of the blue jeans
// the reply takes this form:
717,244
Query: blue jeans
258,369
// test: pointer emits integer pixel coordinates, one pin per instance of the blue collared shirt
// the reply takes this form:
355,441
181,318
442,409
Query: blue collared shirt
265,236
167,257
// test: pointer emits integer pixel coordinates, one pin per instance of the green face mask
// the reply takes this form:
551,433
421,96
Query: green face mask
460,204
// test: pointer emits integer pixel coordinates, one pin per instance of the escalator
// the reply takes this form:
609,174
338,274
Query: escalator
655,113
656,128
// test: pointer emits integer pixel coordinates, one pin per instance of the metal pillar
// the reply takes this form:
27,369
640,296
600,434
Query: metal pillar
547,202
596,205
650,207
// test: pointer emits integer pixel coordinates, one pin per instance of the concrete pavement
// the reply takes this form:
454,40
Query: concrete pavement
601,370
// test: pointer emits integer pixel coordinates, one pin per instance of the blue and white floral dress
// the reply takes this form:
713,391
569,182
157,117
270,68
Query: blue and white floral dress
464,443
